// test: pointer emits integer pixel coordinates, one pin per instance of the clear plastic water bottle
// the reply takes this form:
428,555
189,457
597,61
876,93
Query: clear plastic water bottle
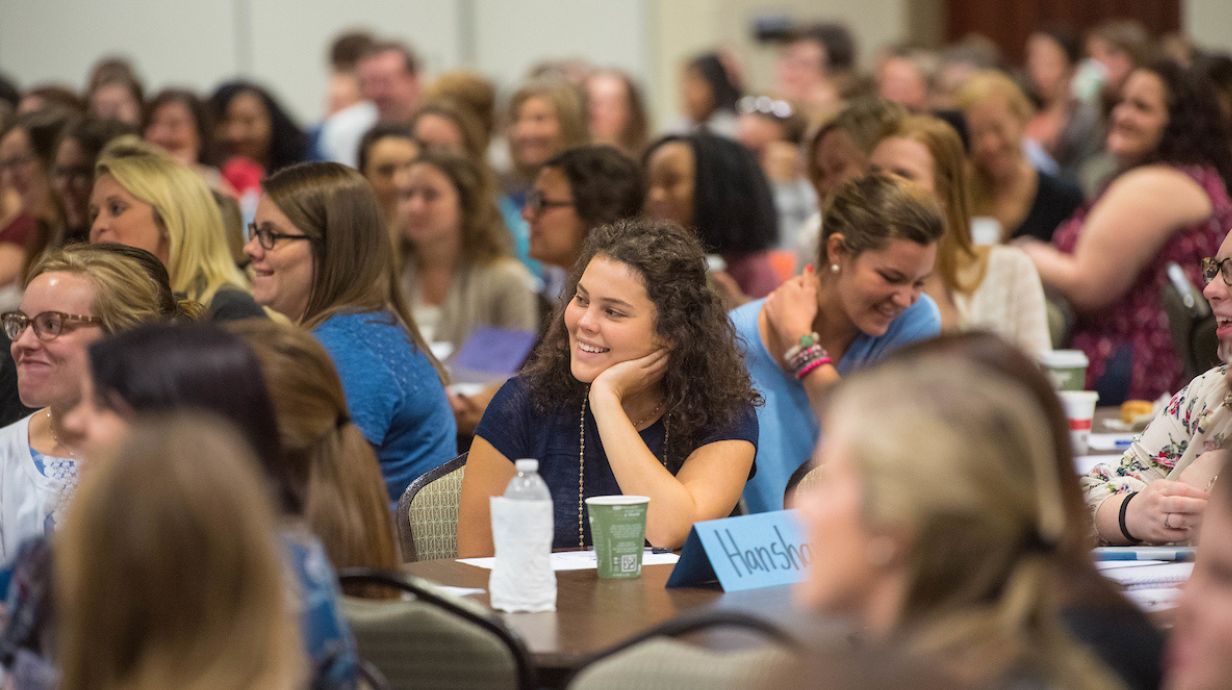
522,577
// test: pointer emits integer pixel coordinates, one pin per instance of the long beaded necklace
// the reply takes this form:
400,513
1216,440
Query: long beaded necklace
667,435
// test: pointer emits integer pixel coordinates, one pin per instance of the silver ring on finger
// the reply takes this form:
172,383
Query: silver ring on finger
1168,521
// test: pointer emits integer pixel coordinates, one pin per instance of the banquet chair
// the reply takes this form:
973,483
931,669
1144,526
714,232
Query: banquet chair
430,639
1190,322
427,514
659,659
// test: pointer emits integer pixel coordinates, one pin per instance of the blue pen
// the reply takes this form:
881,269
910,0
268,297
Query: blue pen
1124,443
1143,553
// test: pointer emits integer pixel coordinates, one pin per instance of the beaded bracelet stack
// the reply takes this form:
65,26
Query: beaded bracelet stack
806,356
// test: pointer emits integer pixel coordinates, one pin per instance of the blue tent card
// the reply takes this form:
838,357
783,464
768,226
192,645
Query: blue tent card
745,552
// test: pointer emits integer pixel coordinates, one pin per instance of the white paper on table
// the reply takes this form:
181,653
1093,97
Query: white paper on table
1159,576
459,591
1083,464
1112,565
1110,442
1155,598
579,560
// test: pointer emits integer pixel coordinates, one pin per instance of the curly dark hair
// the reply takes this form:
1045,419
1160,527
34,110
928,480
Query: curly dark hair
288,143
1196,133
706,382
606,184
733,207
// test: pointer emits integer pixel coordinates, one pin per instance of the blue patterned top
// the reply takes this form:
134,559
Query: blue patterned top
394,394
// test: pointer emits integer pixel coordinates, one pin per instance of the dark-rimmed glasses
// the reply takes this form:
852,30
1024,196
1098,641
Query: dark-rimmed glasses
266,237
48,325
1212,267
536,202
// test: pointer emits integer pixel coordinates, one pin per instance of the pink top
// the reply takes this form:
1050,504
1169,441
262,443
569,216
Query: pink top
753,272
1137,319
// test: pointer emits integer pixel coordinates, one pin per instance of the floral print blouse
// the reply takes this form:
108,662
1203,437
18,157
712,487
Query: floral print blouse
1197,419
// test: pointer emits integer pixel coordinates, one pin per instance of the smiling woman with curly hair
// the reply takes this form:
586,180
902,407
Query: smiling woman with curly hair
637,388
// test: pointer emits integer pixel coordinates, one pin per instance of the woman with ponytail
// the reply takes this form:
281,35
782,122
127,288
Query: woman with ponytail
344,496
943,521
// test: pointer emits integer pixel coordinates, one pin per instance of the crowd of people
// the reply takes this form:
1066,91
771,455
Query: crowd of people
228,341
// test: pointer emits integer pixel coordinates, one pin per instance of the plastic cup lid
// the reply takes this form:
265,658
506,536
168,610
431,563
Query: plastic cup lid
1064,359
617,500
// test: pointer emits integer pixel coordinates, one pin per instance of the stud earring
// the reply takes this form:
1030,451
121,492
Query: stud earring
834,268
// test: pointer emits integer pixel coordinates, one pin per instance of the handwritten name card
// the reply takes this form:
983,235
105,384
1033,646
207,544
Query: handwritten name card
745,552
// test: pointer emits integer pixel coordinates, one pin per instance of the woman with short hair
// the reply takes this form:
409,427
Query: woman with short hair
74,297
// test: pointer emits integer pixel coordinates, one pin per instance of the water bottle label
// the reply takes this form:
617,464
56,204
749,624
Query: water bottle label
522,578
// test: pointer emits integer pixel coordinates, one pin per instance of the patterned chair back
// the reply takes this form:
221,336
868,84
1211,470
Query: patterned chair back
427,516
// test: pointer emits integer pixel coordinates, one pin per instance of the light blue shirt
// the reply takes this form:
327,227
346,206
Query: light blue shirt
788,429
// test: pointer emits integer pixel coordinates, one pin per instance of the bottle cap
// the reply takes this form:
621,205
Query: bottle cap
526,465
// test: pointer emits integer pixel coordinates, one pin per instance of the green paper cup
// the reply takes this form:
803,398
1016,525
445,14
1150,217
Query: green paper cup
1067,369
618,528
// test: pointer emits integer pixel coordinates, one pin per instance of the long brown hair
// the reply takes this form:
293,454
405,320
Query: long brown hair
175,581
706,382
345,504
956,251
352,256
484,235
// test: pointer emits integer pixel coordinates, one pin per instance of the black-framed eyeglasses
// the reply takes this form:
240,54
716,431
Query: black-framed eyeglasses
1212,267
536,202
48,325
266,237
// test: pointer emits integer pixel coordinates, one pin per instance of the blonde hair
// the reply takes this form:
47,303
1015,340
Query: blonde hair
956,250
989,84
967,473
345,502
984,86
198,257
127,291
566,103
175,582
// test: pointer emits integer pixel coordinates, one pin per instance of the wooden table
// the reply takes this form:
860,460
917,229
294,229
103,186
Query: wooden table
592,614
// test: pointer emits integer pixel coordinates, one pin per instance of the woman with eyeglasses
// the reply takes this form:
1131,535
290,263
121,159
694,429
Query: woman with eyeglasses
74,297
72,174
457,271
1157,491
26,149
322,258
576,191
144,198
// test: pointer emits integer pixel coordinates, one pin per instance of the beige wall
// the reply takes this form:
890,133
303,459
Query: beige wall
1209,22
681,28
